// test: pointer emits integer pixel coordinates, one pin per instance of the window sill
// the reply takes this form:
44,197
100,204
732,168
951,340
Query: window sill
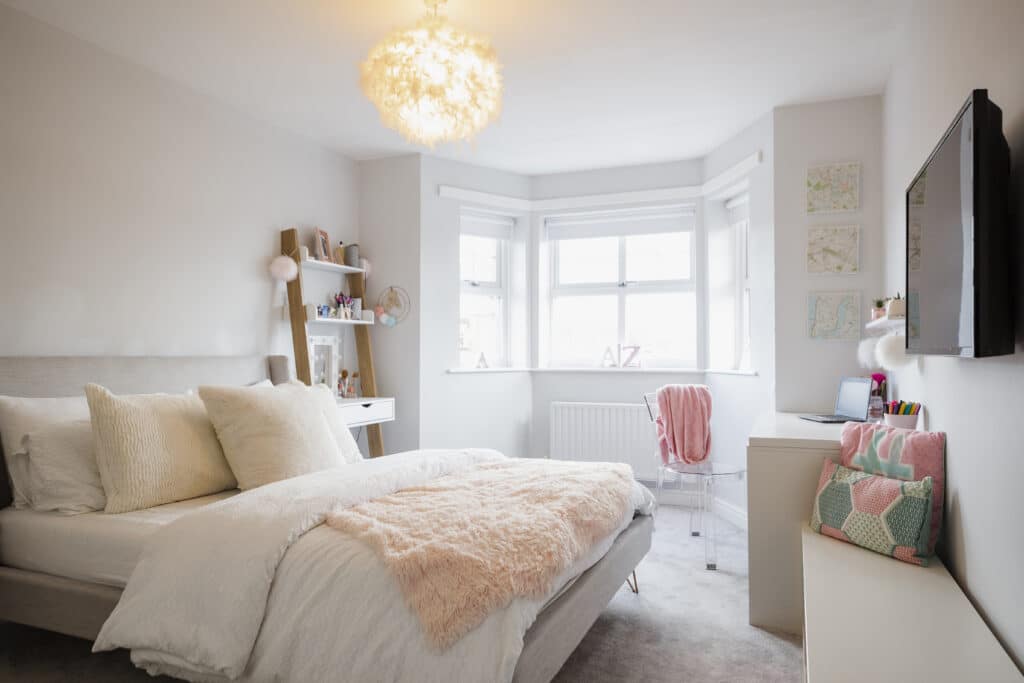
484,371
740,373
624,371
604,371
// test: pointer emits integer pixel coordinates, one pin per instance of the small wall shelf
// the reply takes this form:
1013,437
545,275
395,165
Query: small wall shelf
313,264
339,321
886,324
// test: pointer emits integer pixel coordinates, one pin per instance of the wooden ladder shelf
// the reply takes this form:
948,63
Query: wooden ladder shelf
300,335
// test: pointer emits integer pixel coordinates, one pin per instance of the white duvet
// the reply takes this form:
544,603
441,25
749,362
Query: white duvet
256,588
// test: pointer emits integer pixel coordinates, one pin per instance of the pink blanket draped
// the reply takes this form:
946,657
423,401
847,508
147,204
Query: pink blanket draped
466,544
684,423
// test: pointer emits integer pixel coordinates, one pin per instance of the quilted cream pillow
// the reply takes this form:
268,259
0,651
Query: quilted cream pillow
154,449
271,433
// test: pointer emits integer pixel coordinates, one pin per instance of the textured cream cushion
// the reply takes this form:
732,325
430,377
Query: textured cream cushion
62,469
348,449
271,433
154,449
18,417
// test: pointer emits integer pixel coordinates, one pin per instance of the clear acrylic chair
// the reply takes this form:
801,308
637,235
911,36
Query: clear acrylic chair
704,475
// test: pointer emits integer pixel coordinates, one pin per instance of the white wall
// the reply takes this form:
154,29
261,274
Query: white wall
808,370
389,220
739,399
481,409
947,50
139,216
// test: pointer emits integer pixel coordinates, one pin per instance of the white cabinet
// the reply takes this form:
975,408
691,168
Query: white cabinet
358,412
784,456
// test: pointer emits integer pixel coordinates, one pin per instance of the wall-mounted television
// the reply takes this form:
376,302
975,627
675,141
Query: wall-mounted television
959,246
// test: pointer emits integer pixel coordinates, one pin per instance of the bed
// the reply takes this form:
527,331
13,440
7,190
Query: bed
66,574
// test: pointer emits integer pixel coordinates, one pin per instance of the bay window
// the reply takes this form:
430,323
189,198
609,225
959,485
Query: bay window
623,289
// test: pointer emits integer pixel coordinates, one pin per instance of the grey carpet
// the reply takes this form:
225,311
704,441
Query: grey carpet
687,624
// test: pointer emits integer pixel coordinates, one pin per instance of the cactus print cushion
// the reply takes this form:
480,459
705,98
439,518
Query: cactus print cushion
899,454
889,516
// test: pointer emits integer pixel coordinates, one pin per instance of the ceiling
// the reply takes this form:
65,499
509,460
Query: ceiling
588,83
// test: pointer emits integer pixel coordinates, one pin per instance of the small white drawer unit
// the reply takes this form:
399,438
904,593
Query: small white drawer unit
367,410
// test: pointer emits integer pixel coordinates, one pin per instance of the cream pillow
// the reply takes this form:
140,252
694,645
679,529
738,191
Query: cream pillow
348,449
271,433
154,449
18,417
62,469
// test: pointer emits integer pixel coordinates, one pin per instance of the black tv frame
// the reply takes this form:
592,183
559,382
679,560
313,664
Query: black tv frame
993,246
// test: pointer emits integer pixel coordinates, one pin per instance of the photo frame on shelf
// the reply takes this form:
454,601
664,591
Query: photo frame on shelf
325,360
322,245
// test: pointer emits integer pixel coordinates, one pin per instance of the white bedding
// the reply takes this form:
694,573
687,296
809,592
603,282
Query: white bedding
94,547
250,597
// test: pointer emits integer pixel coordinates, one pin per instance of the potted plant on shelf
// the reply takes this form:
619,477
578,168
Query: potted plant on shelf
879,310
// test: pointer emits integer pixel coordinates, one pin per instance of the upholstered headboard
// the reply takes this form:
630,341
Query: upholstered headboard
66,375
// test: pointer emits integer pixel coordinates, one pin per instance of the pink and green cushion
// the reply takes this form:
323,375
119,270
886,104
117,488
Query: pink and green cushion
904,454
889,516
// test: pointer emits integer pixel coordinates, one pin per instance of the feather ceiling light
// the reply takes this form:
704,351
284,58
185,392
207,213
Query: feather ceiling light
432,82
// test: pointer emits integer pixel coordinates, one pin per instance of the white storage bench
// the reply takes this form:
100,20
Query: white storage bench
868,617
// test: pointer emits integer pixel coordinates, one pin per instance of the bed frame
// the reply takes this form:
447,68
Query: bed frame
79,608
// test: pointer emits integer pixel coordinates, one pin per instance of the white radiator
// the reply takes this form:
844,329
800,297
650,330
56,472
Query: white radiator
605,432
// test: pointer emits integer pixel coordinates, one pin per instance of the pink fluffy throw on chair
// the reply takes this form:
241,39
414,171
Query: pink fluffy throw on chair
684,423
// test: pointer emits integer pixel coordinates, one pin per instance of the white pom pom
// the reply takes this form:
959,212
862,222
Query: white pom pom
866,352
364,263
284,268
891,352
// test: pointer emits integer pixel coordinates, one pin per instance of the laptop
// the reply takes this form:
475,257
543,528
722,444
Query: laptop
851,402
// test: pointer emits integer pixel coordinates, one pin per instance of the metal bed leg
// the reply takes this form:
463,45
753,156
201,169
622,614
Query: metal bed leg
634,585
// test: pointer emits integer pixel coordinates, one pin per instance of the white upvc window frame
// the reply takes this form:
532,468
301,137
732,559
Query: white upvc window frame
499,228
596,224
741,226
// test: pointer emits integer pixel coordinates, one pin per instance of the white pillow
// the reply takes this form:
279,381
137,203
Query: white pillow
62,469
18,417
348,449
154,449
271,433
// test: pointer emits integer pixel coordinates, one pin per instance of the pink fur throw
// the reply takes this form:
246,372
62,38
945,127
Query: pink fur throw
466,544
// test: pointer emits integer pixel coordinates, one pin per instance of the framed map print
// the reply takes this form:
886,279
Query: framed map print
832,188
833,316
833,249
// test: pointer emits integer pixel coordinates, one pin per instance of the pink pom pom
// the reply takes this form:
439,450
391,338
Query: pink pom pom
284,268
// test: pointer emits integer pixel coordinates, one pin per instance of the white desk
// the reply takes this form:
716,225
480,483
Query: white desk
784,456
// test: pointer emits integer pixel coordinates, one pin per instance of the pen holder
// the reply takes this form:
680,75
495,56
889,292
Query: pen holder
901,421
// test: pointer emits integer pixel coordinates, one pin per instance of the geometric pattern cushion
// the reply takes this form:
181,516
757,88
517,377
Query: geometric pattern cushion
889,516
899,454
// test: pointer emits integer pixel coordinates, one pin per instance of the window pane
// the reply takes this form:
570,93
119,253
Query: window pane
722,312
745,321
593,259
480,330
583,328
478,257
664,325
662,256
